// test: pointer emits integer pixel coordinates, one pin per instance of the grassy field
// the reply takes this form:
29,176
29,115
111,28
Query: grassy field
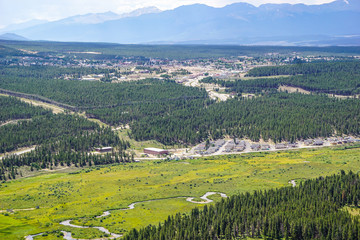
83,194
138,146
354,211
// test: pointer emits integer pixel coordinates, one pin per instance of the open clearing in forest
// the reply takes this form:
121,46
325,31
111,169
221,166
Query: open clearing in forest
244,77
19,151
138,146
355,211
53,108
291,89
82,195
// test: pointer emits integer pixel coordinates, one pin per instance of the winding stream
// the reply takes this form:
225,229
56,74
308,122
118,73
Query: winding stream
206,200
31,237
67,235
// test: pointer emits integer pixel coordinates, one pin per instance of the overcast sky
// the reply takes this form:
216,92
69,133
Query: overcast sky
17,11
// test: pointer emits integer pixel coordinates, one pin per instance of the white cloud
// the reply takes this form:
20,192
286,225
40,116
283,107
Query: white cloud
15,11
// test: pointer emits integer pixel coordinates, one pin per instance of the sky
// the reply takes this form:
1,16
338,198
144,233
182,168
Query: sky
18,11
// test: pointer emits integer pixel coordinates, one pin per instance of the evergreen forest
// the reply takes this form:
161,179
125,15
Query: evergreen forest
13,109
341,78
171,113
313,210
60,139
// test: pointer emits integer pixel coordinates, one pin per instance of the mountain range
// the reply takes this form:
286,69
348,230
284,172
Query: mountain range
335,23
90,18
96,18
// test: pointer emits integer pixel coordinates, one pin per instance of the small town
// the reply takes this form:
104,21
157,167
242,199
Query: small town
238,146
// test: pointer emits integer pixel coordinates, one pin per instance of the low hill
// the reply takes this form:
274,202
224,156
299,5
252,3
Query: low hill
13,37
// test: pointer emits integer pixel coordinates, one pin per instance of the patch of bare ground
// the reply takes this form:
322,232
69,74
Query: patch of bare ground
15,121
17,210
289,89
26,171
53,108
244,77
19,151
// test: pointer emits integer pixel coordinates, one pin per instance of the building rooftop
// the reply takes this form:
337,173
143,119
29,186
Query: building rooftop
105,148
155,149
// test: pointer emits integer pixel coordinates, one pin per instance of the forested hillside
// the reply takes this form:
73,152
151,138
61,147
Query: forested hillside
49,156
334,78
69,143
306,68
183,51
50,128
313,210
61,139
44,81
277,116
12,109
172,113
8,51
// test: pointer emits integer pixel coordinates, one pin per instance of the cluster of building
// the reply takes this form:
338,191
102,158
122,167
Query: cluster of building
156,151
103,149
316,142
210,148
286,145
258,147
235,146
340,140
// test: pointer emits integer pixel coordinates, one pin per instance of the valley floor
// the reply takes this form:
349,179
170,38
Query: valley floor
82,195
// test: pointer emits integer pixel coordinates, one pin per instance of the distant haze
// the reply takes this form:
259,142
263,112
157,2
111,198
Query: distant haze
334,23
20,11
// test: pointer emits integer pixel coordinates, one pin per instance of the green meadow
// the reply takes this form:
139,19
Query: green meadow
83,194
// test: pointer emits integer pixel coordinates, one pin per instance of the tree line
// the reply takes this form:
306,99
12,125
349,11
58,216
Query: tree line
180,52
334,78
44,157
312,210
61,139
276,116
67,149
306,68
50,128
44,81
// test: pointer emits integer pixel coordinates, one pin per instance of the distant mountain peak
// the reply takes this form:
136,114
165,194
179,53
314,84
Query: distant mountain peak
12,37
352,5
96,18
110,13
140,11
90,18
